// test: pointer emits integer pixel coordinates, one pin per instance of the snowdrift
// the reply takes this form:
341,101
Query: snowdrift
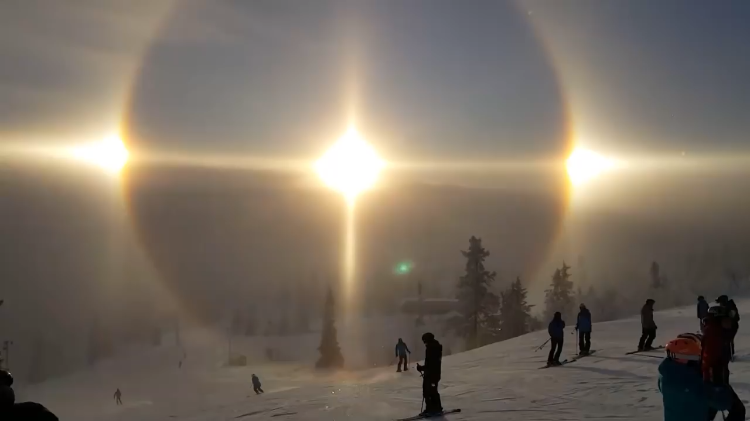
500,381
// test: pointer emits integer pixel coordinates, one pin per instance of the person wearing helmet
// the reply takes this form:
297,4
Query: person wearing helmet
684,394
431,372
401,350
715,358
734,314
9,410
648,326
583,326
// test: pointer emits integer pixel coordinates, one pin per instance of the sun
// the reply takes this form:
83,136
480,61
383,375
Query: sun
350,166
584,165
110,154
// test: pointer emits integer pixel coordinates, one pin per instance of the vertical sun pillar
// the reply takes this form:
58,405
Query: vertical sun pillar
350,167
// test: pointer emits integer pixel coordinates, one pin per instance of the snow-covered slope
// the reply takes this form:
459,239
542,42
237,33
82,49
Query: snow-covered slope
501,381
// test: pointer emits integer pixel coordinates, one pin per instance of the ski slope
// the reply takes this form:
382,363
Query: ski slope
500,381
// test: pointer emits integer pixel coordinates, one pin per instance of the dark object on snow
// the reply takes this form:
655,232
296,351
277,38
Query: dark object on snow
702,308
556,331
648,326
401,350
118,396
584,327
431,373
734,314
256,385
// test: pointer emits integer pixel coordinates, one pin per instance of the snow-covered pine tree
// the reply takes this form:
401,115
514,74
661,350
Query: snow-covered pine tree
515,313
478,307
330,352
559,296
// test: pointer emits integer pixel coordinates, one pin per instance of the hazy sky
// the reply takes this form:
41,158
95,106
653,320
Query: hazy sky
433,78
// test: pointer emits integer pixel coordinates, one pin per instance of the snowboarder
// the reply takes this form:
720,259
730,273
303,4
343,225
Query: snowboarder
118,396
684,394
702,310
10,410
734,314
431,374
256,385
583,326
648,326
556,331
401,350
715,357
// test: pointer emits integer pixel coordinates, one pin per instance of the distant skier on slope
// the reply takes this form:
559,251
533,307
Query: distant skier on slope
118,397
734,314
702,310
11,411
556,330
715,357
401,350
684,394
431,373
648,326
256,385
583,326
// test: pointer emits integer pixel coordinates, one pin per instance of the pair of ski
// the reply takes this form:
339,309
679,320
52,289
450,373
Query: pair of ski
658,348
572,360
435,415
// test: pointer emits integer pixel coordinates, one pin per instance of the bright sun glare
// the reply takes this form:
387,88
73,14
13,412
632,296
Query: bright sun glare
110,154
585,165
350,166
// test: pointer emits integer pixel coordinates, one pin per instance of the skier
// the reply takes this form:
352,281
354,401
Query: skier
10,410
256,385
702,310
556,330
401,350
734,314
431,374
118,396
648,326
684,394
715,357
583,326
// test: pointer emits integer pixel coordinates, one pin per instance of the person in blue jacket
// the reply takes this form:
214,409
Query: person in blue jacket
556,331
401,350
702,310
686,397
583,326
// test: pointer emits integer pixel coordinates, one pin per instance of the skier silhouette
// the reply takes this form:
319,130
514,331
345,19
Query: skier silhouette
118,396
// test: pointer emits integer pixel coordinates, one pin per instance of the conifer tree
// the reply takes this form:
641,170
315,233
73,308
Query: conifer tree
515,313
478,307
559,296
330,352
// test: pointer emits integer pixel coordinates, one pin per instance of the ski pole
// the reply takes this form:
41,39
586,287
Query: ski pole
542,345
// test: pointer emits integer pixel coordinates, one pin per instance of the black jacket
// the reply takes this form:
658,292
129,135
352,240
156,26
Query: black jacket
27,411
702,309
433,358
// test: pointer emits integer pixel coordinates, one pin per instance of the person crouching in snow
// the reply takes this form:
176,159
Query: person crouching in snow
256,385
556,331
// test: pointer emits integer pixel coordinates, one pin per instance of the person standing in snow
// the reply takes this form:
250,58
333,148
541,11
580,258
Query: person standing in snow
256,385
431,373
401,350
583,326
648,326
702,310
118,397
734,314
556,331
686,397
715,358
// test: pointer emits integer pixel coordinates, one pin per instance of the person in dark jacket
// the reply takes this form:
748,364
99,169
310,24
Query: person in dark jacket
734,315
256,385
583,327
24,411
702,310
556,331
431,374
715,358
401,350
648,326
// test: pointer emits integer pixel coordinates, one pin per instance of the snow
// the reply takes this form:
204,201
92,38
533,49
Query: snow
500,381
